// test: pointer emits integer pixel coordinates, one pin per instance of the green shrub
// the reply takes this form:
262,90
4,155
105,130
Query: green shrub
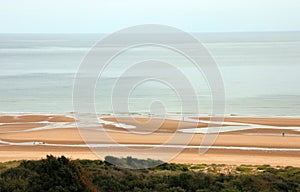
62,174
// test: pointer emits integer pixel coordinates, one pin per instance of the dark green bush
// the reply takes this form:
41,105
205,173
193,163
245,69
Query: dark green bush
61,174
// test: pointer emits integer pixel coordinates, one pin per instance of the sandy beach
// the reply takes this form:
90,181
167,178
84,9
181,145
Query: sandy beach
274,141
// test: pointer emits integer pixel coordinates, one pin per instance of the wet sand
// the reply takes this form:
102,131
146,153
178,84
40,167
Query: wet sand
72,136
54,129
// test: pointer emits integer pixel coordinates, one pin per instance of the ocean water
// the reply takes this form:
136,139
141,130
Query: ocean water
260,71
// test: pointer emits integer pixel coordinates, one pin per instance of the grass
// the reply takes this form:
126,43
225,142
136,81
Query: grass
7,165
244,169
263,167
208,168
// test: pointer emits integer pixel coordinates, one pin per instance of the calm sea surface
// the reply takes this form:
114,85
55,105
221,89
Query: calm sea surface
261,74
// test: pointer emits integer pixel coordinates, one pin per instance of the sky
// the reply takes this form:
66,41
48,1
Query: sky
99,16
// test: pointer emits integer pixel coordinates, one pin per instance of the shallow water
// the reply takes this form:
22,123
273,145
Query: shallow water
260,73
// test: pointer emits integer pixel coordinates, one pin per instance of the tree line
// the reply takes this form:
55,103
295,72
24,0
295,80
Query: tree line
64,175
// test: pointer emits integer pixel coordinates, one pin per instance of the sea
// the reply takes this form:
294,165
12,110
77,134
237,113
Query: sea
260,73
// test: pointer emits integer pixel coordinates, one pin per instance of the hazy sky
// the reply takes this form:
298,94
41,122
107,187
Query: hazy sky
97,16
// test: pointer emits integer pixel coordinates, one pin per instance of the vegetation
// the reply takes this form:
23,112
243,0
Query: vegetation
133,163
51,174
62,174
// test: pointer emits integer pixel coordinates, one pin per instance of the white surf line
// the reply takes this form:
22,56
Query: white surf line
56,125
149,145
117,124
63,125
190,119
250,124
195,120
19,114
215,129
21,143
47,125
231,126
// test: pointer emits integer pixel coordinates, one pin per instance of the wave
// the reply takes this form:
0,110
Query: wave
43,50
